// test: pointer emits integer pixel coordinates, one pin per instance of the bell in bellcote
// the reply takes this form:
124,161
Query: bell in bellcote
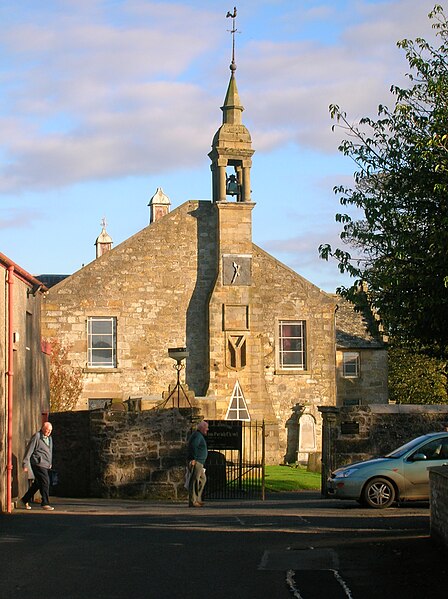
232,187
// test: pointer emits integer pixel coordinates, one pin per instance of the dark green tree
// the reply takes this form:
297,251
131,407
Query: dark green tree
416,378
398,231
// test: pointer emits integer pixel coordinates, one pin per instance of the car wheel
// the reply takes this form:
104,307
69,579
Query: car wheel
378,493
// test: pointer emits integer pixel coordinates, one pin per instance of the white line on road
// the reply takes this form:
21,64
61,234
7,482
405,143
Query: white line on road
291,582
343,584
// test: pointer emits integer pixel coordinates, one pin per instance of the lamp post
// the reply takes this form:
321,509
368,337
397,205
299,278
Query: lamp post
178,354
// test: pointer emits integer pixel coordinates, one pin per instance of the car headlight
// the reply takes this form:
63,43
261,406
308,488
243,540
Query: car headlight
345,473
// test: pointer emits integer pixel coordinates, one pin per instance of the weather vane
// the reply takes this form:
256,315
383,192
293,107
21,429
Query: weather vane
104,222
233,31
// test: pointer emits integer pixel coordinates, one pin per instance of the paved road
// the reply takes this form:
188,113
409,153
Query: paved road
299,546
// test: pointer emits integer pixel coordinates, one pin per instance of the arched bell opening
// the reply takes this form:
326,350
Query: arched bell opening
234,181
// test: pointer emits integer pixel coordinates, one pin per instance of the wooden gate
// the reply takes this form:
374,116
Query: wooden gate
236,460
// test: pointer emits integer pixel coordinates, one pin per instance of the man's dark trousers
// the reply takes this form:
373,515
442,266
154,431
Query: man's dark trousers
41,483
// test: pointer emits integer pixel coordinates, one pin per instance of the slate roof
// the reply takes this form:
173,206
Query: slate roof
352,328
50,280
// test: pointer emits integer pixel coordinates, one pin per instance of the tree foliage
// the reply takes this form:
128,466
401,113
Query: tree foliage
65,380
416,378
399,245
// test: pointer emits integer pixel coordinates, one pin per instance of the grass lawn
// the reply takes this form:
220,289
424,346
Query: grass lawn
287,478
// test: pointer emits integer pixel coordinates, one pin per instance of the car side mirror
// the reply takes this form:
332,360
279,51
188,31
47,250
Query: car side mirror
418,457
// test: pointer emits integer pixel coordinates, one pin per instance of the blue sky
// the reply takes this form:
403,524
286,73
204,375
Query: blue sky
103,101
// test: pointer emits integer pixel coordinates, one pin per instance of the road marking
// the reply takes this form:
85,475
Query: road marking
343,584
291,582
302,559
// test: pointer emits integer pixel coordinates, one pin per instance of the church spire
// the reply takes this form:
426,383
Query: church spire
232,108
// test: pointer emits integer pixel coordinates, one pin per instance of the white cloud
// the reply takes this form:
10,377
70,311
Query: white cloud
18,219
301,253
99,90
292,83
166,119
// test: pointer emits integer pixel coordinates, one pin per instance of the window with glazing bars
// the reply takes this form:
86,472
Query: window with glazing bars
102,342
292,344
350,365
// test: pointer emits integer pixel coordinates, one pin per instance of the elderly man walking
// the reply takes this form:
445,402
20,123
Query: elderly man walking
39,458
197,454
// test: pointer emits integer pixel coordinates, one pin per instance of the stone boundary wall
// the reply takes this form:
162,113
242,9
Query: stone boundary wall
358,433
120,454
71,453
438,478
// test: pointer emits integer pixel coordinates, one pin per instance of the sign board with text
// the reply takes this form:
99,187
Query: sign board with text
224,434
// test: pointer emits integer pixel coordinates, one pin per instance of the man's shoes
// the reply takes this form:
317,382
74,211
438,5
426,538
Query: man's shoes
24,505
196,504
48,508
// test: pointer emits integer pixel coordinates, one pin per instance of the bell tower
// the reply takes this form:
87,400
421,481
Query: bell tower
233,316
231,153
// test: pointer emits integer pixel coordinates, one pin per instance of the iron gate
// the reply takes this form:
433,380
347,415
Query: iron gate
236,460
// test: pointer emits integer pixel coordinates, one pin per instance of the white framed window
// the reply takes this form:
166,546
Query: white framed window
102,342
292,345
237,409
350,365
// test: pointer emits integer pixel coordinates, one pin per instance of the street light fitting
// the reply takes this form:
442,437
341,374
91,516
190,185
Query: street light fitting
178,353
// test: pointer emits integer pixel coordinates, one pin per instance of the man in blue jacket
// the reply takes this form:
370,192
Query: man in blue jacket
39,458
197,454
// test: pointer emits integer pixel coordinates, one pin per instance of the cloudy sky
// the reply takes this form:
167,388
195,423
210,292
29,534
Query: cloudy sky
103,101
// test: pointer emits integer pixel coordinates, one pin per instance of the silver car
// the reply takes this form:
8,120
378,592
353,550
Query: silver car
401,475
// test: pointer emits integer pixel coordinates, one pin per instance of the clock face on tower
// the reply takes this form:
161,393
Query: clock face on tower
237,269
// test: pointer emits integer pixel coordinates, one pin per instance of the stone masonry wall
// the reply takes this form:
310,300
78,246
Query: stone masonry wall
157,285
381,429
438,478
71,453
166,287
283,295
122,454
371,386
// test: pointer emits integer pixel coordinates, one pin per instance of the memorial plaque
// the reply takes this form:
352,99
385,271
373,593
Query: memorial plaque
350,428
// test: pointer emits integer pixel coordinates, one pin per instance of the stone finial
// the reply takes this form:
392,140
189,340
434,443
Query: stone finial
103,242
159,205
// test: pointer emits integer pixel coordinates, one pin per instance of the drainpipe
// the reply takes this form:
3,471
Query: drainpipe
10,375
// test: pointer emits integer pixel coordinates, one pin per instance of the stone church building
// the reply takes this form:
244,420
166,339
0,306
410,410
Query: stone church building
262,342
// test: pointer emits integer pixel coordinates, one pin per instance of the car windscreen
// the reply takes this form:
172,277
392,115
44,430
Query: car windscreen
397,453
